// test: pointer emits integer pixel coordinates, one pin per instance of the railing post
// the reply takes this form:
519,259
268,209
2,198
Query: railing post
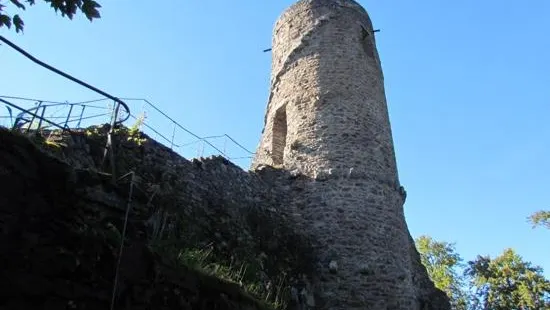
80,117
68,116
41,117
200,149
10,112
224,144
110,146
173,134
33,116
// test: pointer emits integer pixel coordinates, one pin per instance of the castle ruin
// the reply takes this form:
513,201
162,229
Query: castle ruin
325,168
327,119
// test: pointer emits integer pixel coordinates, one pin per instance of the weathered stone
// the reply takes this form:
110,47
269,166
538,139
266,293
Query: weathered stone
333,266
327,119
60,230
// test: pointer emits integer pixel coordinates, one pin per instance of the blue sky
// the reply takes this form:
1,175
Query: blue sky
467,83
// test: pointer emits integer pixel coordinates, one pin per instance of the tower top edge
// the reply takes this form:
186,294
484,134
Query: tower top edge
304,5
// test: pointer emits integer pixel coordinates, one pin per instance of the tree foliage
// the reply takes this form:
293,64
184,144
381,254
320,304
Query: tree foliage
540,218
508,282
68,8
444,264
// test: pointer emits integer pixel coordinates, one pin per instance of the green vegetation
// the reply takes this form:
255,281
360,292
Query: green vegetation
505,282
508,282
540,218
263,270
67,8
133,133
206,262
443,264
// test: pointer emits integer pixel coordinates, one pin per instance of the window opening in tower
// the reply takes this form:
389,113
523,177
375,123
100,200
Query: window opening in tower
279,136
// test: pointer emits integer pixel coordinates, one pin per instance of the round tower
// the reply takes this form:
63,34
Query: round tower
327,107
327,119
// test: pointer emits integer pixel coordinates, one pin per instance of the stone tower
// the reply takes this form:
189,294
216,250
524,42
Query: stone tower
327,119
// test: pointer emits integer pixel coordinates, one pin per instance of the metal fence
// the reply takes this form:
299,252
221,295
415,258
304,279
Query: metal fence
26,113
31,114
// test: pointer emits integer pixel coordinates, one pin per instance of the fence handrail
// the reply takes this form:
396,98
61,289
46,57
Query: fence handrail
177,124
68,76
148,102
188,131
53,102
32,114
50,104
118,102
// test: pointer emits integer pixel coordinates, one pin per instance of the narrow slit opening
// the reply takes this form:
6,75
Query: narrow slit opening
367,42
279,136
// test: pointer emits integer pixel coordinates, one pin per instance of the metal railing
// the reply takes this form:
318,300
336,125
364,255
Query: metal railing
33,113
184,141
44,114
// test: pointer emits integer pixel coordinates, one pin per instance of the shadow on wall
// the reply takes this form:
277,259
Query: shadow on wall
189,241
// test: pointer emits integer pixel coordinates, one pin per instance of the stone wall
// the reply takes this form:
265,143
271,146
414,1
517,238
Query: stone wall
244,217
60,236
213,185
331,90
58,214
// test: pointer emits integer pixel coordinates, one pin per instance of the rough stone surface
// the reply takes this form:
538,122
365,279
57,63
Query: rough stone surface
56,250
327,119
68,205
57,219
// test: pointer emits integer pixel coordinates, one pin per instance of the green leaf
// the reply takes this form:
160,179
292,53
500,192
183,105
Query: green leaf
540,218
5,20
67,8
18,4
443,263
18,22
509,282
90,9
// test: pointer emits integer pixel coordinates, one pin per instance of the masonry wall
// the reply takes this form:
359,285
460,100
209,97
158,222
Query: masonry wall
260,214
326,77
60,233
206,203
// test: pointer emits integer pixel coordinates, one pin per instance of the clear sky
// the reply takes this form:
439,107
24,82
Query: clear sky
467,82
